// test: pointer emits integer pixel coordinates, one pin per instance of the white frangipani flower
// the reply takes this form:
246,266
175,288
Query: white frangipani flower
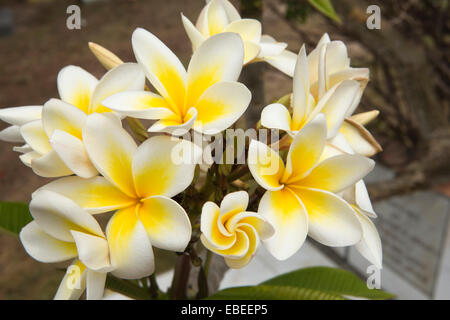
60,231
220,16
16,117
206,97
301,197
55,141
231,231
138,182
334,103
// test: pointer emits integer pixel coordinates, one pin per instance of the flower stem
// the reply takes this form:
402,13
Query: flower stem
181,277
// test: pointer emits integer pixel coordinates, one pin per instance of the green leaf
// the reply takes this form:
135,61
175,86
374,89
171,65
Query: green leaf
270,292
14,216
127,288
326,7
330,280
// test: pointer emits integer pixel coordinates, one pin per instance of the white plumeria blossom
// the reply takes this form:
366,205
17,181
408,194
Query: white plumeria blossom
60,231
138,182
54,145
16,117
231,231
301,197
206,97
334,103
220,16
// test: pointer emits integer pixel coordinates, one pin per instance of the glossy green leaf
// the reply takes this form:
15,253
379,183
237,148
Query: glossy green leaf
14,216
127,288
330,280
325,7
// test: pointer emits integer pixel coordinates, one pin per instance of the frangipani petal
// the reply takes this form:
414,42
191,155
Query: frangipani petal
49,165
238,249
337,173
194,35
166,222
174,125
285,62
220,106
332,221
95,285
124,77
130,249
234,202
20,115
168,162
213,62
11,134
93,250
59,115
75,86
217,17
95,195
276,116
360,139
34,135
111,150
253,240
265,165
248,29
270,47
286,213
43,247
301,89
370,245
72,152
161,66
306,149
139,104
73,283
58,216
209,226
27,157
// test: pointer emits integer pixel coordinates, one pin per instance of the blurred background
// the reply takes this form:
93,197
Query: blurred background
409,65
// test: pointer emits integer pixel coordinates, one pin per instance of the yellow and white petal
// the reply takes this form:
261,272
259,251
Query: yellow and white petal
286,213
58,215
234,202
111,150
285,62
73,283
335,103
164,70
75,86
59,115
276,116
95,285
370,245
202,22
337,173
166,222
313,58
358,195
124,77
217,17
332,221
20,115
130,249
264,229
72,152
214,62
336,57
300,94
220,106
50,165
43,247
306,149
253,246
231,11
34,135
359,138
265,165
193,33
238,250
139,104
248,29
209,226
251,52
93,250
168,162
95,195
11,134
174,125
27,157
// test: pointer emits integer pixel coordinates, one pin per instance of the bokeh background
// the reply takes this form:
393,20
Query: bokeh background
408,58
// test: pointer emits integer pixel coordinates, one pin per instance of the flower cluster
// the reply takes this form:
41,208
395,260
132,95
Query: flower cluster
154,190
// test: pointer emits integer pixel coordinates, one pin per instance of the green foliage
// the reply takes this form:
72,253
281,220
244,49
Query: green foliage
127,288
14,216
316,283
325,7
